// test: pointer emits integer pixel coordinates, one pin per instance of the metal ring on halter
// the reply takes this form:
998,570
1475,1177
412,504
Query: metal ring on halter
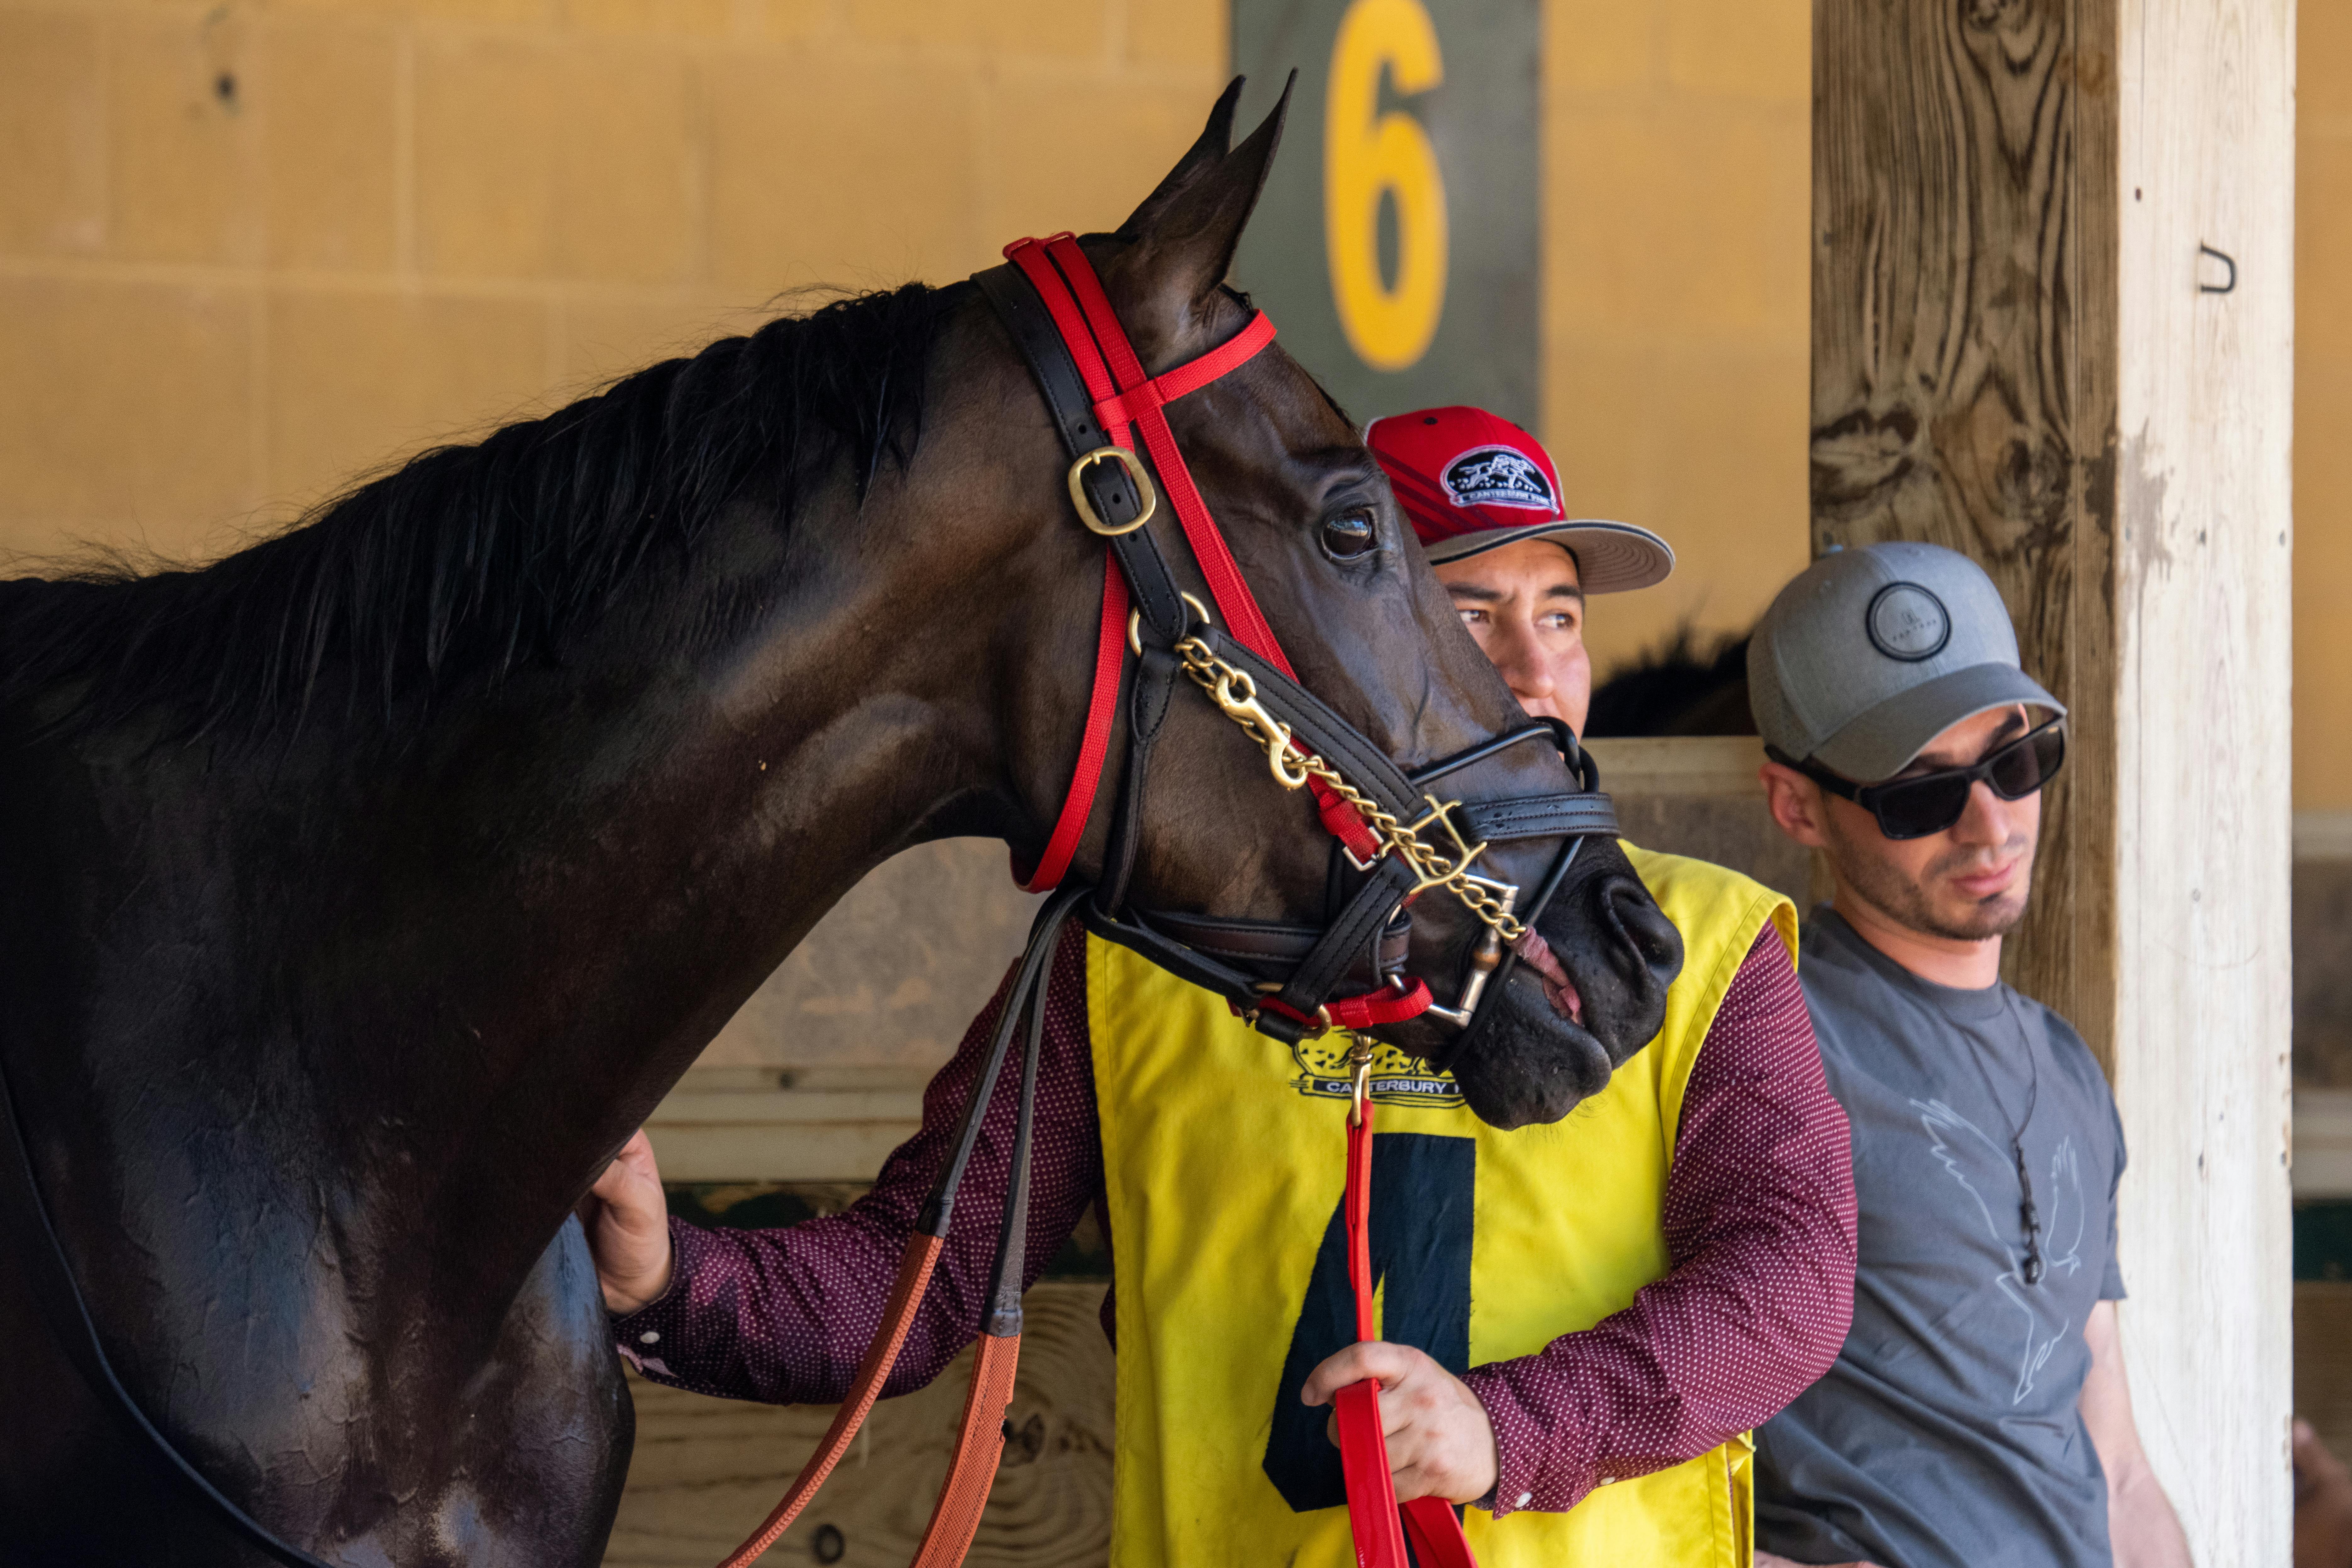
1135,621
1135,470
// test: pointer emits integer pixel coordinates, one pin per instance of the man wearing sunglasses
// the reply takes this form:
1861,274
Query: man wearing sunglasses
1978,1413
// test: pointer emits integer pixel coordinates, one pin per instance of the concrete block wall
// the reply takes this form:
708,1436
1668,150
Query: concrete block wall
248,252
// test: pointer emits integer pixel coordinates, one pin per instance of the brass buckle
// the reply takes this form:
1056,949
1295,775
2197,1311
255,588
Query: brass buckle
1135,470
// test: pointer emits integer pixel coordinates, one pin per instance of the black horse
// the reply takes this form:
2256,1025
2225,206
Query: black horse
363,890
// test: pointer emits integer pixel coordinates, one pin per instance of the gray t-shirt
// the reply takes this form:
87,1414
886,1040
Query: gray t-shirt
1949,1431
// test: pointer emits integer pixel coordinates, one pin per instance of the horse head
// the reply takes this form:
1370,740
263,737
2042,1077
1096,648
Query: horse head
1328,556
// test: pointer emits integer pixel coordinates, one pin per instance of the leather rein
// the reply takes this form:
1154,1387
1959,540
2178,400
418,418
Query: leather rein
1285,980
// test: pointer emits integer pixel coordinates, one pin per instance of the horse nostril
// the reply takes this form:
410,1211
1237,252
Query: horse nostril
1647,929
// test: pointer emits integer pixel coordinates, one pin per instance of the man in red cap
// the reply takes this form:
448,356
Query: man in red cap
1639,1287
1485,500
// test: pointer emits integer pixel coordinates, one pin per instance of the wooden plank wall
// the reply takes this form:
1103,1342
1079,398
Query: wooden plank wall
1962,215
2014,357
707,1471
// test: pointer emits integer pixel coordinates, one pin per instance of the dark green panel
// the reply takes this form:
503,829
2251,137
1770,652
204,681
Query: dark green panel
2323,1240
1484,122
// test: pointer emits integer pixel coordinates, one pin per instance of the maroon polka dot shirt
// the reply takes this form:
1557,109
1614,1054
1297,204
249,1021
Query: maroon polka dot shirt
1760,1223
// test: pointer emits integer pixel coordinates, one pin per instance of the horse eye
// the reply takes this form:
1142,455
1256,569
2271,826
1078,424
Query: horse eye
1348,536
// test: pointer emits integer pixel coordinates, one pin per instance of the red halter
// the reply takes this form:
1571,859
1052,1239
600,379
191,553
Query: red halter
1126,398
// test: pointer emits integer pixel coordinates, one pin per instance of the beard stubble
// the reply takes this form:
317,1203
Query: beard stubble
1907,902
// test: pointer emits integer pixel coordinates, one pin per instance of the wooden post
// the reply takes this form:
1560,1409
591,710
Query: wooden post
2018,352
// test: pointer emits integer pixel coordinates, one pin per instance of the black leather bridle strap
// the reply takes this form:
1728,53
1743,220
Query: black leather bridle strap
1135,934
1108,485
1345,940
1538,816
1319,730
1149,689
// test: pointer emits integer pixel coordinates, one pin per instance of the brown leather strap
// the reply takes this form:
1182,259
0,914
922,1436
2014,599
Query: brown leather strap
980,1443
915,1265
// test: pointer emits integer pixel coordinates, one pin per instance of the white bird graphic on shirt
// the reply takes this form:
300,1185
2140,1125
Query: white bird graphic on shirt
2062,1211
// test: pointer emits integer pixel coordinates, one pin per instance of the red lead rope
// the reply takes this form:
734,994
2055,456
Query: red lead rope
1126,400
1372,1511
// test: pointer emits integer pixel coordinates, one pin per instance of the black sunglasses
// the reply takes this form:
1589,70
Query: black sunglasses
1930,803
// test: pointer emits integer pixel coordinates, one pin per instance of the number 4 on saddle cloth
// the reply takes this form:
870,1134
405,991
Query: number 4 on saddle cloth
1415,1237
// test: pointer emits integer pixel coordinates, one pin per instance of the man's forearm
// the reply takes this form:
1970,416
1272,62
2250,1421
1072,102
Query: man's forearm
1760,1223
2142,1529
784,1315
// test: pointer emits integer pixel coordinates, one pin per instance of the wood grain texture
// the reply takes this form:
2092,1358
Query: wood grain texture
707,1470
1963,387
2012,357
2205,91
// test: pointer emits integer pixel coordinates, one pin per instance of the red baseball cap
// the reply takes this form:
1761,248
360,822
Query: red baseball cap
1473,481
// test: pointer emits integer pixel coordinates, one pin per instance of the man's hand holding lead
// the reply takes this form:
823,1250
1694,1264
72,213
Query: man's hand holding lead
1441,1443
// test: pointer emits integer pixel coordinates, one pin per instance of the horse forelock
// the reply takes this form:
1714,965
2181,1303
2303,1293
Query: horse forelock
480,557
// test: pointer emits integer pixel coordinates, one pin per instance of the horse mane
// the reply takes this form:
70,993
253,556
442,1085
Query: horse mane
1688,684
476,556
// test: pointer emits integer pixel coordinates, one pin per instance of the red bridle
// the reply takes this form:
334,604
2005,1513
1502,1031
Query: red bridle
1126,399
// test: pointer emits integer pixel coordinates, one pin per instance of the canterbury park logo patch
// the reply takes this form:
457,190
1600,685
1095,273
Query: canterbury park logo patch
1498,475
1397,1078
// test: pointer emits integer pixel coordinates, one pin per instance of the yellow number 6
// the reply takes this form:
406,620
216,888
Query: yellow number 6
1362,156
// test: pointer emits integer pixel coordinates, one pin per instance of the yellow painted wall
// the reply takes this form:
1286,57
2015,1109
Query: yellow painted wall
1678,168
2323,407
247,251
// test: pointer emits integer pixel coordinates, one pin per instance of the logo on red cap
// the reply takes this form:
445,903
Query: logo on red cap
1499,476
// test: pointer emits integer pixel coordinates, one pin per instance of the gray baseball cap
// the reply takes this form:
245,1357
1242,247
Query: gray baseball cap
1870,653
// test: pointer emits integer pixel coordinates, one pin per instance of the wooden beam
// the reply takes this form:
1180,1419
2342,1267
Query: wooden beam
2203,826
1963,218
2015,355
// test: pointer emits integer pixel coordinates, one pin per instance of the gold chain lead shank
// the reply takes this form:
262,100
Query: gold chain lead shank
1236,695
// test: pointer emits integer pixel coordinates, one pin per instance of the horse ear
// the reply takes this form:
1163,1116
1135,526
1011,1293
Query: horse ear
1205,153
1187,229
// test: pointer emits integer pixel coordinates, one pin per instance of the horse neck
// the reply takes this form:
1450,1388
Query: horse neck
481,962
